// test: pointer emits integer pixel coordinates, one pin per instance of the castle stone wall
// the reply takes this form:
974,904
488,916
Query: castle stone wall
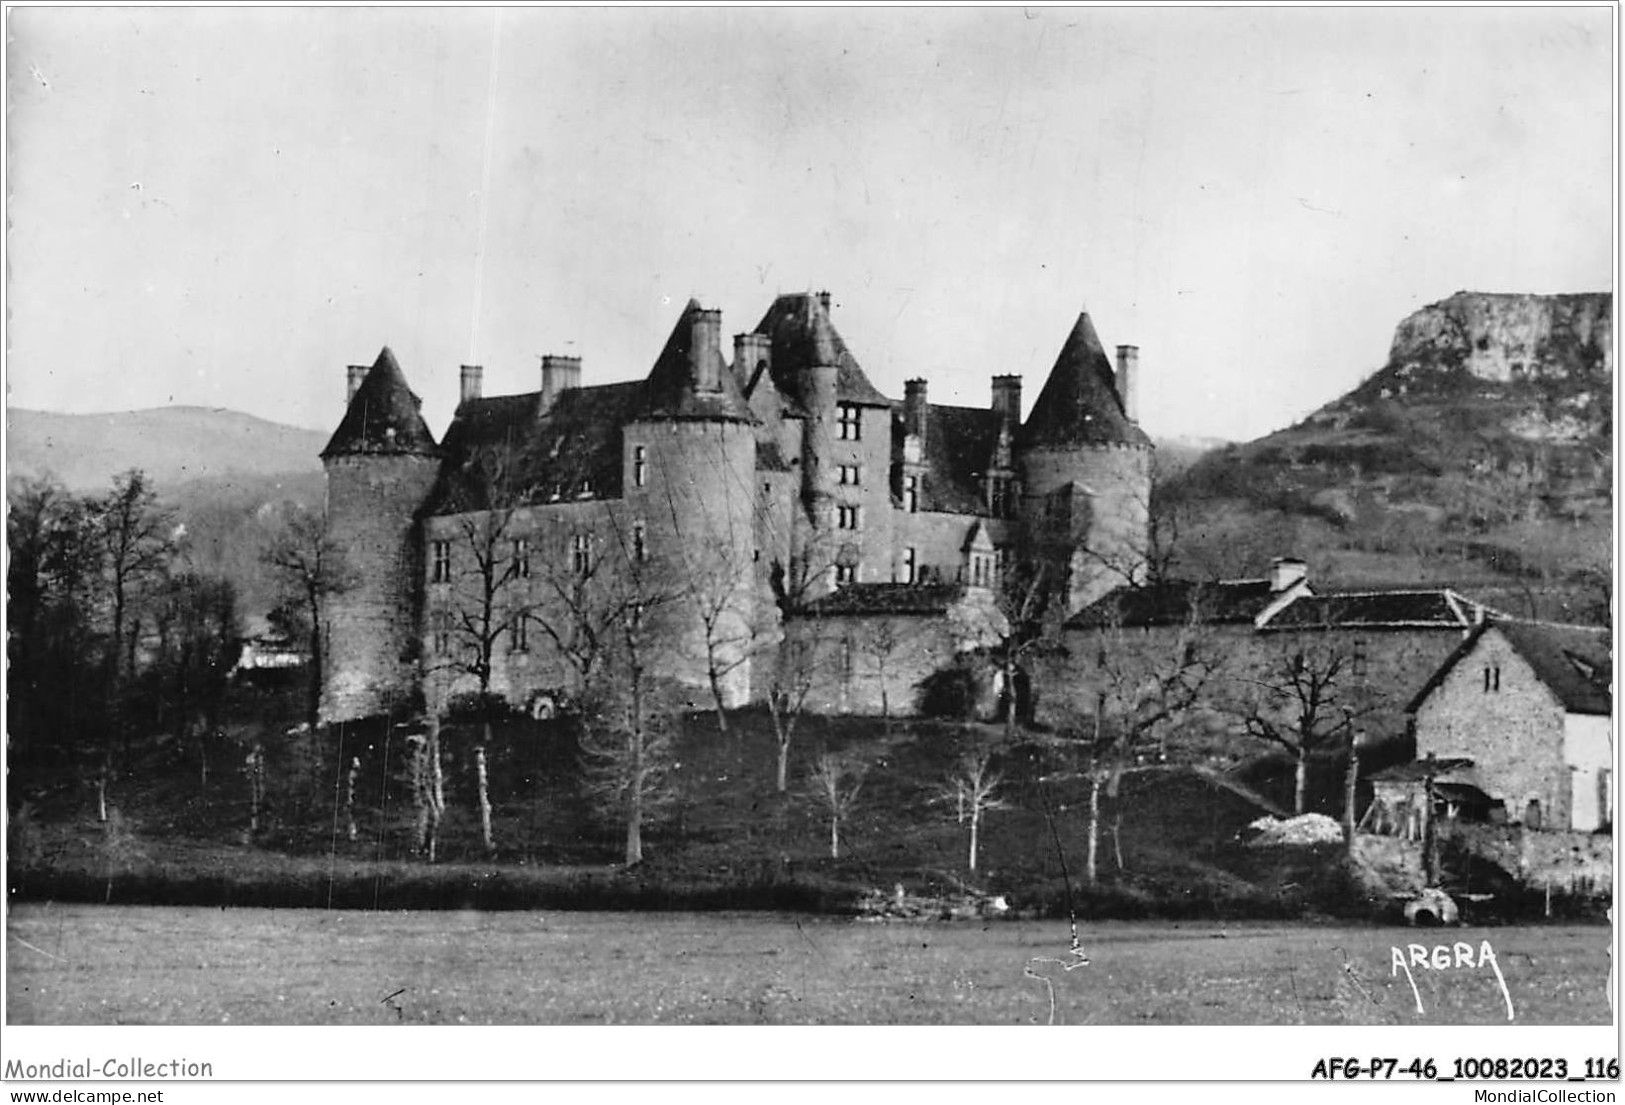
1117,479
370,662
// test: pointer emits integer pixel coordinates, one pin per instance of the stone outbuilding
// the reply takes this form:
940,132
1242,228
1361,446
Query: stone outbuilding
1528,707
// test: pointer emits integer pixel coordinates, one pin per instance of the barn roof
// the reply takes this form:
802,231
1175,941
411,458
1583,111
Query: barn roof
886,598
1220,602
1381,608
1575,663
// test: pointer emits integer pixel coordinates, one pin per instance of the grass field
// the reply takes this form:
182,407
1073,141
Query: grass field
82,964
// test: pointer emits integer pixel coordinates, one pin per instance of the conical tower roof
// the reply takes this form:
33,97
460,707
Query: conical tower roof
673,386
383,417
1080,404
803,336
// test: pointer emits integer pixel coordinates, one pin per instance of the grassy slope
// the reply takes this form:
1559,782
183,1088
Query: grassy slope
729,841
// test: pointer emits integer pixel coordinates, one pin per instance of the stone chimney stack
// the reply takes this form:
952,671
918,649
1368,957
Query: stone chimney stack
1285,572
473,379
751,351
559,374
823,301
914,409
705,350
1128,379
353,375
1007,399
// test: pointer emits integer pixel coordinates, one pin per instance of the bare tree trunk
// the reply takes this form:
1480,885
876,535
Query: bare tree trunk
349,797
1300,784
784,764
485,799
101,794
1117,833
436,780
975,823
716,697
1091,869
1349,796
834,836
256,787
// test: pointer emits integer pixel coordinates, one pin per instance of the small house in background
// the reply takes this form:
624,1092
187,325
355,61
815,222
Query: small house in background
1522,710
270,654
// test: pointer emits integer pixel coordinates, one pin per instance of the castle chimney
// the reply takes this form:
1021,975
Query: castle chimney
705,350
1285,572
1128,379
823,301
353,375
472,379
751,351
1007,399
559,374
914,409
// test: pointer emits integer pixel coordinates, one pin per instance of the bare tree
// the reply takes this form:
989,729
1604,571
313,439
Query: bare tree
1144,697
792,682
834,784
311,569
627,738
137,537
1301,701
973,788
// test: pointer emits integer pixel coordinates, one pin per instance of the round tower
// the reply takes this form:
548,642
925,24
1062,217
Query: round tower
381,466
1086,471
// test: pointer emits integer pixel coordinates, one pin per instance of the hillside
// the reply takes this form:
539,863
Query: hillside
227,476
1480,453
171,444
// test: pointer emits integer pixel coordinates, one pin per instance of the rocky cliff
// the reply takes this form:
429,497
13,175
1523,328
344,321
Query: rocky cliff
1480,452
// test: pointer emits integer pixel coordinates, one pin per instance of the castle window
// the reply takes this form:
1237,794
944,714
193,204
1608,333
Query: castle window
580,554
1359,664
1000,503
521,558
1492,678
442,562
846,516
640,465
845,573
640,542
849,475
440,634
851,422
911,494
911,565
981,570
519,633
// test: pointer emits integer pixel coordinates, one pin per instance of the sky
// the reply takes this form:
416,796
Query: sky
224,207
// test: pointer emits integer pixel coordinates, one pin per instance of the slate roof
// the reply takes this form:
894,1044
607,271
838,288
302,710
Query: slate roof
503,450
803,336
1374,608
1224,602
1574,663
886,598
1079,403
383,417
671,391
959,446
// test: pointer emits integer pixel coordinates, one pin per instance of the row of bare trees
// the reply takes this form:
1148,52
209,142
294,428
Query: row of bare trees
110,627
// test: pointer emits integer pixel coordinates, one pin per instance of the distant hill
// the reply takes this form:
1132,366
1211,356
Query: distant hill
1480,453
229,476
171,444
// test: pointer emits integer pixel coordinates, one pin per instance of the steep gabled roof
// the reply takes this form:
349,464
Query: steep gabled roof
959,446
671,385
886,598
1572,662
504,451
1381,608
1223,602
1079,403
803,336
383,416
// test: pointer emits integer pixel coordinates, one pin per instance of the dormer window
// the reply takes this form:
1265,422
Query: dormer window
850,422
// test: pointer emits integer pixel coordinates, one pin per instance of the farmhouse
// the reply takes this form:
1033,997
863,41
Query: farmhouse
1522,713
713,517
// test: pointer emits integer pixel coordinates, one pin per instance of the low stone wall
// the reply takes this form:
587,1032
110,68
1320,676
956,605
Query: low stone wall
1567,863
